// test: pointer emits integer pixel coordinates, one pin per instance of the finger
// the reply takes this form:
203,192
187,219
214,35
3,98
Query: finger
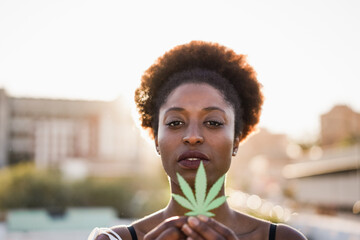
204,230
223,230
190,233
176,222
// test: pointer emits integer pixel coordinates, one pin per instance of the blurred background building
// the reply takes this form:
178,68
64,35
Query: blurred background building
323,175
258,164
341,125
328,176
94,138
330,183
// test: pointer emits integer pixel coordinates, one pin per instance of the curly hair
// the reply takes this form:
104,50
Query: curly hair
202,62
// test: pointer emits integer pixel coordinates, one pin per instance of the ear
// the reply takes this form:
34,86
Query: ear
236,145
157,145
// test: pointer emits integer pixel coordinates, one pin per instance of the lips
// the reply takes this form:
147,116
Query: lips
192,159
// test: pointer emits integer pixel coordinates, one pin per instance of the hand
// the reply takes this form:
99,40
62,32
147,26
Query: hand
168,229
202,227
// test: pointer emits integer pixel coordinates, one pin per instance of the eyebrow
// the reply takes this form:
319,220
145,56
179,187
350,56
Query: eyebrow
177,109
207,109
212,108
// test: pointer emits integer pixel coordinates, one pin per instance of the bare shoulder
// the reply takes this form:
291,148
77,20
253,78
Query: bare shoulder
141,226
147,223
256,228
285,232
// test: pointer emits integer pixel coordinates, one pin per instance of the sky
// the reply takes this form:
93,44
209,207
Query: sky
306,53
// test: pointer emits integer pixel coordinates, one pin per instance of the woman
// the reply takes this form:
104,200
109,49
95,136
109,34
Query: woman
198,101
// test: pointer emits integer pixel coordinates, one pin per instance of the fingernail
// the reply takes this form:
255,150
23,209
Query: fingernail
193,221
203,218
186,229
189,238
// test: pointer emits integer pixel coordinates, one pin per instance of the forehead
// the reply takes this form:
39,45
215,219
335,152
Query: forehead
195,95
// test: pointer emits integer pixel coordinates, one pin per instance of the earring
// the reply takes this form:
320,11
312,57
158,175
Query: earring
234,152
158,150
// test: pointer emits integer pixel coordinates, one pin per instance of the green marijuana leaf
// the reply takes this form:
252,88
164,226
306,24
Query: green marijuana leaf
202,204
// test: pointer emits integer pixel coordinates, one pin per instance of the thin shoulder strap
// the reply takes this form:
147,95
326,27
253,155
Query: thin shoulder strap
132,232
107,231
272,231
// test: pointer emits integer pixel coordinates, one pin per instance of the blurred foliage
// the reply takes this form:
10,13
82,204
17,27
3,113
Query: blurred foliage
349,140
306,146
15,158
271,217
24,186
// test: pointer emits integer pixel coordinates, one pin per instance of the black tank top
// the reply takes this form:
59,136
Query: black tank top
272,232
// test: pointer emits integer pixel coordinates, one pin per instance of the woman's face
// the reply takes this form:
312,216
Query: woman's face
196,124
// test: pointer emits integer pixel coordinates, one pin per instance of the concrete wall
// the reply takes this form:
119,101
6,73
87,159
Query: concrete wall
337,189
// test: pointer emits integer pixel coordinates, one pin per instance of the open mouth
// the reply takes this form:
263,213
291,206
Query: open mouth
192,159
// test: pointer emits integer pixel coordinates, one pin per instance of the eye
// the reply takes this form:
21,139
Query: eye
213,124
175,124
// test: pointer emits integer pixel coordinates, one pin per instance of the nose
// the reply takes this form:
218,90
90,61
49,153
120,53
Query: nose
193,136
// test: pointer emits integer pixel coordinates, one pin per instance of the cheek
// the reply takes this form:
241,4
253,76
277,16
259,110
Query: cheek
225,140
225,146
222,145
166,141
168,145
164,145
